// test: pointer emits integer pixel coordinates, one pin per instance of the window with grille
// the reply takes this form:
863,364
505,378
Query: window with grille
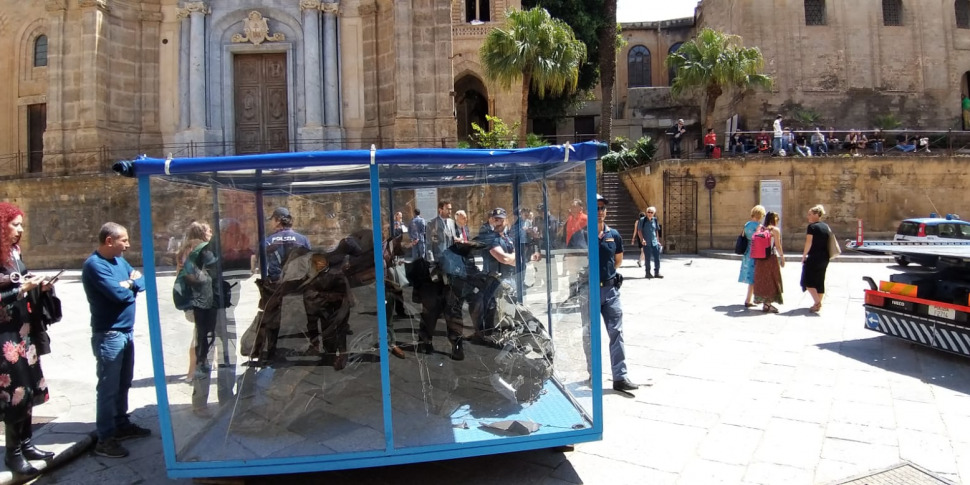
671,72
814,12
892,12
962,10
638,67
40,51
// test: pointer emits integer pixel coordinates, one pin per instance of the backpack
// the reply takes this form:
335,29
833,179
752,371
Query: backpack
181,293
761,243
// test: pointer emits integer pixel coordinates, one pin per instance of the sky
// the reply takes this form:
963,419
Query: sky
650,10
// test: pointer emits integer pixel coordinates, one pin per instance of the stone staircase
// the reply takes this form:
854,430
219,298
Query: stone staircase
623,211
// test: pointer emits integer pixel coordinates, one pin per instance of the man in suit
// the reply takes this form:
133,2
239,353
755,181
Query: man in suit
437,297
418,229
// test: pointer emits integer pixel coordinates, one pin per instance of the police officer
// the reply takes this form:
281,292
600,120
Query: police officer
610,258
280,242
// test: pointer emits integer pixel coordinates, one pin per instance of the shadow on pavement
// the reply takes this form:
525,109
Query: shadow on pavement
738,311
901,357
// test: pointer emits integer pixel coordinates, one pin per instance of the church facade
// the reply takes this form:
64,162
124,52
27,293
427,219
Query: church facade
93,81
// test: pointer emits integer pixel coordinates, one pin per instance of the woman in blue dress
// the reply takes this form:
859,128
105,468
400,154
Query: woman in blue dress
747,263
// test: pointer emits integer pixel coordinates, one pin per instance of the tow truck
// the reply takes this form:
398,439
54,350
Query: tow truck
930,308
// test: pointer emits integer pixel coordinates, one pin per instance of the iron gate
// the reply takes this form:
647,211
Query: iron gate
680,213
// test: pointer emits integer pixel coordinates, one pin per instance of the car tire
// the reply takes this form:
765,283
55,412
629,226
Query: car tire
902,261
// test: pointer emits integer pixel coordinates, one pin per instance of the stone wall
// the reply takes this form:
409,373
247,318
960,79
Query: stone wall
854,67
63,214
878,190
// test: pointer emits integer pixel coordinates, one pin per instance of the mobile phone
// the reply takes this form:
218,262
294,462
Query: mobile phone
54,278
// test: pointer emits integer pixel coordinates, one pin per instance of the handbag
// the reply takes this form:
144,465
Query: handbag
834,249
741,244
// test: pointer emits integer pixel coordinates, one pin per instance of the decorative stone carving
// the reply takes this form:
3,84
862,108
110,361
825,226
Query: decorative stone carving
256,30
309,5
56,5
200,7
330,7
102,4
366,9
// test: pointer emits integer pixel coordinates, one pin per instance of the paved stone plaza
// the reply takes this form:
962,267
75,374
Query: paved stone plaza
739,396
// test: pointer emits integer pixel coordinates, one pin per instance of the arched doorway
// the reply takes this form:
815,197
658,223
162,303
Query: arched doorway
471,104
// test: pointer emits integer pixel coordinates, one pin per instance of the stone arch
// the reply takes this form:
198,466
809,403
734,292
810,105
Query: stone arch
26,41
471,102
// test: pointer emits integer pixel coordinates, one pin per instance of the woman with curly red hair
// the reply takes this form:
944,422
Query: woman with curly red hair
22,382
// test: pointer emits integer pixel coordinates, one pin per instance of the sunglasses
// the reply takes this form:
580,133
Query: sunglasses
601,208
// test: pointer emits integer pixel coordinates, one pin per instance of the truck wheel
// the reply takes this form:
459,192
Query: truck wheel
902,261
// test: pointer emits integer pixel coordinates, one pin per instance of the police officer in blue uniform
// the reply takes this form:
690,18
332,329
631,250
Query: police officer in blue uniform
610,258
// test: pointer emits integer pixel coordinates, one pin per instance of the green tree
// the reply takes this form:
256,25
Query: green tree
713,62
537,50
607,58
586,18
500,136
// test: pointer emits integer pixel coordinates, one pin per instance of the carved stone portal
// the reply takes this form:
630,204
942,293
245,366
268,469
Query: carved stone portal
256,30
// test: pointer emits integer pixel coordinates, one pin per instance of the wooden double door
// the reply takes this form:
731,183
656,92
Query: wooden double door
261,109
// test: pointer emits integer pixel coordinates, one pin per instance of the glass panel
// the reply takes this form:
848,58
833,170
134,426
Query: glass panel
40,51
290,368
638,67
814,12
508,358
671,72
962,10
892,12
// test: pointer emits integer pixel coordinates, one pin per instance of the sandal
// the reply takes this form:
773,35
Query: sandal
815,308
772,309
748,304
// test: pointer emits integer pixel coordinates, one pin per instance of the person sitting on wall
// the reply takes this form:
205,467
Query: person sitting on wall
801,146
710,141
763,141
818,142
903,144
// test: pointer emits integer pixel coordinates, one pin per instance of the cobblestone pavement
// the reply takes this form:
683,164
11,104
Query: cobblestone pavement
739,396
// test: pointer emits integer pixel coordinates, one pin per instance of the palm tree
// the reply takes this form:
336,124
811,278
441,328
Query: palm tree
607,51
713,62
537,49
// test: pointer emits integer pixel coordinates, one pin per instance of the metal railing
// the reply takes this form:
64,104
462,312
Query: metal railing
887,143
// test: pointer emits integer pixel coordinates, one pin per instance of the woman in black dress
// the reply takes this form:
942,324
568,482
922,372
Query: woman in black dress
815,256
22,383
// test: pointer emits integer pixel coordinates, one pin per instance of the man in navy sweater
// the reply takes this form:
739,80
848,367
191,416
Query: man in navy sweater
112,287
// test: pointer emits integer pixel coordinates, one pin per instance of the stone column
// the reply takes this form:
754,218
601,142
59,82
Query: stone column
197,104
92,99
311,61
331,87
54,134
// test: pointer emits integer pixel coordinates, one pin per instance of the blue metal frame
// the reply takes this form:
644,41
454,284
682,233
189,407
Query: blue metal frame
390,455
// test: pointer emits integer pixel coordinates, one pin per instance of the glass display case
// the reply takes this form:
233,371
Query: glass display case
369,307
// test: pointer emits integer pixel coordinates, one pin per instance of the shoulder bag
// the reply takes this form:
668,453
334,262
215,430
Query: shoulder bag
741,244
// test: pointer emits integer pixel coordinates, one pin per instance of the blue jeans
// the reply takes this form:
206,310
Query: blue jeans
776,145
652,252
114,351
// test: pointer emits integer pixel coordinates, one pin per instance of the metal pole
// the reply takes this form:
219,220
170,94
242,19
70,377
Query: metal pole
710,216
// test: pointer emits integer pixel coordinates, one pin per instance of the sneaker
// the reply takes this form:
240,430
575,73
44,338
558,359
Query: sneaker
110,448
130,431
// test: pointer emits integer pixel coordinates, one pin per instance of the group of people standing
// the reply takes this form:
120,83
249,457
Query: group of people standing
762,273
